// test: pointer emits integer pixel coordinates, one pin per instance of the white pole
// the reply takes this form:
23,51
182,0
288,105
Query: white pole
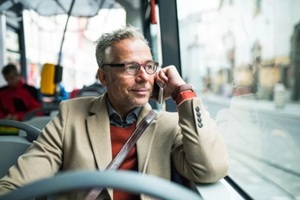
3,58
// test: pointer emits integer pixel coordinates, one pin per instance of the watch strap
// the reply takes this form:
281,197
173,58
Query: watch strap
181,88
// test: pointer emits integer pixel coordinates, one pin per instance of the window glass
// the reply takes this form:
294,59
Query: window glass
243,57
43,35
12,46
12,40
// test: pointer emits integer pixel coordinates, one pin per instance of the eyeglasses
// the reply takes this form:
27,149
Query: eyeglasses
132,68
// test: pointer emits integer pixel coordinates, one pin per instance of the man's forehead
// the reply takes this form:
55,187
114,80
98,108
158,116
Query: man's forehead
129,49
130,43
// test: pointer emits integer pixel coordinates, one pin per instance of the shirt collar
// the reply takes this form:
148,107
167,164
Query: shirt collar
116,119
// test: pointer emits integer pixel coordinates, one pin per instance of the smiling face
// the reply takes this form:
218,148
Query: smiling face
125,91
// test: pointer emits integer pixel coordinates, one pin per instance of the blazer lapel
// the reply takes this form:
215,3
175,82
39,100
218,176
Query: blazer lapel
99,133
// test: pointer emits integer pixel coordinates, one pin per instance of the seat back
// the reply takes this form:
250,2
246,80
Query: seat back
44,111
31,132
88,93
129,181
12,146
95,89
39,117
38,122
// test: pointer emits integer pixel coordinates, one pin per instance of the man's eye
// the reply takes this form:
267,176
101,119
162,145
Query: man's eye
131,67
149,66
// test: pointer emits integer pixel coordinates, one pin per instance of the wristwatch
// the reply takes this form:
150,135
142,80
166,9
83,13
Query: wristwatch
182,88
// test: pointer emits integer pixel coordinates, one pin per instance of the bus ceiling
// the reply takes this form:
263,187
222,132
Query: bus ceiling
82,8
75,8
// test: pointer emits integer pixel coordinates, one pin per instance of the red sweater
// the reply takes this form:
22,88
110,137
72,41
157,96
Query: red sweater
18,100
119,135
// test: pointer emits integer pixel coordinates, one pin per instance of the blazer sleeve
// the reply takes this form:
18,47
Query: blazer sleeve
199,152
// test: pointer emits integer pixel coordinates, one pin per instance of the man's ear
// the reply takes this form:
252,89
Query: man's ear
102,76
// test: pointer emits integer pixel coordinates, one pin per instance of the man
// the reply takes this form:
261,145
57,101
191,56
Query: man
16,98
88,132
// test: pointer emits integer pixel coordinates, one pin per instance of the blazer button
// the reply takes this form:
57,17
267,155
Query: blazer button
200,125
197,109
199,119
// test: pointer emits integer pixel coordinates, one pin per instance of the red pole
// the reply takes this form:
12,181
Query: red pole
153,19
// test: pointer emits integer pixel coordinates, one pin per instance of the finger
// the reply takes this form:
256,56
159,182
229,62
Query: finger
163,76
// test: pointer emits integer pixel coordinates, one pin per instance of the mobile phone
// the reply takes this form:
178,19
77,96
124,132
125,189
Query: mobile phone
158,93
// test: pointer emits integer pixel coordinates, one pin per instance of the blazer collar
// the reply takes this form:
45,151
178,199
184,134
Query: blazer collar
99,133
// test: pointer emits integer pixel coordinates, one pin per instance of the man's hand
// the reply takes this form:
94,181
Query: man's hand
169,78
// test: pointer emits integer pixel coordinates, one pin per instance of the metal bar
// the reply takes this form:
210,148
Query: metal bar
2,42
66,26
169,33
169,39
23,59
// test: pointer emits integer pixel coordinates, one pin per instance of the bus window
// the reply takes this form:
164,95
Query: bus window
12,46
243,57
44,34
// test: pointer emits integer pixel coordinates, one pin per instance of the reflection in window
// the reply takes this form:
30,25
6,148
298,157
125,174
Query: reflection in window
244,60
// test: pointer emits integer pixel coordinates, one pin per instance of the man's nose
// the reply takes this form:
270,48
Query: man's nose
142,74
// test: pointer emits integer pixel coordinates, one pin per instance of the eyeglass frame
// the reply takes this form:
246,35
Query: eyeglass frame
126,63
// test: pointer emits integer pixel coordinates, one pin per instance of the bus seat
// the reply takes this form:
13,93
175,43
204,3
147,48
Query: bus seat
11,147
96,89
38,122
39,117
31,132
44,111
130,181
88,93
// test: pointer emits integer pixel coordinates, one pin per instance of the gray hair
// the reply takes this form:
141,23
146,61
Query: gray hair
104,43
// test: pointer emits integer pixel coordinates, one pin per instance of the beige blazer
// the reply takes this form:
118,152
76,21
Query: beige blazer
78,138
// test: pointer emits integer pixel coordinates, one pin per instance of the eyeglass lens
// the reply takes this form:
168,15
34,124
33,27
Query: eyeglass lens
133,68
